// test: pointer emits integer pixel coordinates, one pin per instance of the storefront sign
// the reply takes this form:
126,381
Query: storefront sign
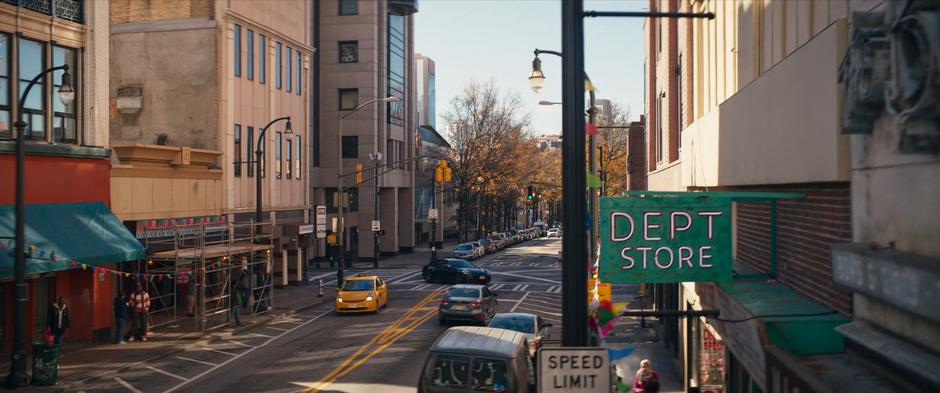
665,239
321,221
574,370
305,229
168,227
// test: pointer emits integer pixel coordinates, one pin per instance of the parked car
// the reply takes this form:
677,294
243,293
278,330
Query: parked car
468,302
470,358
478,248
454,270
500,243
465,251
514,235
488,245
554,232
533,326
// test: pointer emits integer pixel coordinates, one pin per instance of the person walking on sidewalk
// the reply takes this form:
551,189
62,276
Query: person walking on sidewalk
646,380
233,303
140,306
120,317
58,320
244,288
191,297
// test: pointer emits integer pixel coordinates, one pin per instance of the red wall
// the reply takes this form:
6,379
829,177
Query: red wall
57,179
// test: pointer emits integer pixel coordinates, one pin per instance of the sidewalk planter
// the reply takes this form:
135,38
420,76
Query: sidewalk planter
45,364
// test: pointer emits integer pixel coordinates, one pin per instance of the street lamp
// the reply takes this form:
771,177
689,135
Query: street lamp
375,157
17,376
341,200
259,156
536,78
548,103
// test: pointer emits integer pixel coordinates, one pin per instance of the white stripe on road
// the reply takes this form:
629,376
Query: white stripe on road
404,277
239,343
527,277
177,387
496,286
169,374
197,361
524,295
127,385
265,335
219,351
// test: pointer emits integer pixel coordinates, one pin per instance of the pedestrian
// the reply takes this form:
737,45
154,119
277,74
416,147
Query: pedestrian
233,303
58,320
646,380
191,297
120,317
244,288
140,307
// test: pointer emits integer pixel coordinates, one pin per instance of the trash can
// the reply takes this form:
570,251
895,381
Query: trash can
45,363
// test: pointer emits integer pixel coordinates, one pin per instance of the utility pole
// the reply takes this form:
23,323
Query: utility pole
574,252
376,157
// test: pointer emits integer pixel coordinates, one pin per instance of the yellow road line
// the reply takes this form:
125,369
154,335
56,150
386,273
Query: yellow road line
385,338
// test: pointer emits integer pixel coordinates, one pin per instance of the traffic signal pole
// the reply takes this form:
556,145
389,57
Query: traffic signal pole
574,253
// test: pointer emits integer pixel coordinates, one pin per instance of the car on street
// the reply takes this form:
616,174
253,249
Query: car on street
488,245
533,326
500,243
554,232
478,248
468,302
465,251
361,293
481,359
453,270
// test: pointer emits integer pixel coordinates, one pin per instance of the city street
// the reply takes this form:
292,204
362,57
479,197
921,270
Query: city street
317,350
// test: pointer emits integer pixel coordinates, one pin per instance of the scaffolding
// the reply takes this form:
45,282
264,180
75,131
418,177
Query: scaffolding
213,265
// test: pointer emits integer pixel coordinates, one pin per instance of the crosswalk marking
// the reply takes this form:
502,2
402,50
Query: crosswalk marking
554,289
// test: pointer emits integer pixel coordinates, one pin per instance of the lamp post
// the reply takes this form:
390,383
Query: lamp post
341,199
17,376
259,155
376,157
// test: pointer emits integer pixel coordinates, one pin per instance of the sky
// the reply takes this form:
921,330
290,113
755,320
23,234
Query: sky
494,39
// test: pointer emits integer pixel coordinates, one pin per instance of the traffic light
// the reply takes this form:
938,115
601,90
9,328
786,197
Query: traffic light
531,194
358,173
447,175
442,173
438,174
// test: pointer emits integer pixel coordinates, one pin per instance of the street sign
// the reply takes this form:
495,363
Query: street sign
321,221
432,214
574,370
665,239
376,225
305,229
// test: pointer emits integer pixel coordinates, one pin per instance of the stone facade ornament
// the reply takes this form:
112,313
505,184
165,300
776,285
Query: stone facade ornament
914,92
864,73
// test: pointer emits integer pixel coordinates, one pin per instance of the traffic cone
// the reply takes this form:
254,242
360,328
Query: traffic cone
320,289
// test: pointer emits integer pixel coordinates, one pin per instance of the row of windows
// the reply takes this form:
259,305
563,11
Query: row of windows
32,58
284,148
293,63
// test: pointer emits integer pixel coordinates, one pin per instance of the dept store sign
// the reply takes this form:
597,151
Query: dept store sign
665,239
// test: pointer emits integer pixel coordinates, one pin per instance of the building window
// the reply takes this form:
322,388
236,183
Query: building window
251,55
352,193
64,124
659,128
277,155
5,86
349,51
350,147
299,77
290,68
348,7
681,123
250,151
262,59
32,62
238,150
277,64
348,99
238,50
396,69
290,157
300,155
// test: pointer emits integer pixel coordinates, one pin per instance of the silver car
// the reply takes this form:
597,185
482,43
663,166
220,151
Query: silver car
533,326
465,251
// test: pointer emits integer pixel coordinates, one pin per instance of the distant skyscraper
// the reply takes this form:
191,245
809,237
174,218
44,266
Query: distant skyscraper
427,115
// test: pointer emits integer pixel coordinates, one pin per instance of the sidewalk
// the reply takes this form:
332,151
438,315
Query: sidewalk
82,363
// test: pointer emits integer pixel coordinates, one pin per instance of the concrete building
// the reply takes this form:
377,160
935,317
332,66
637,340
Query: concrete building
425,77
636,155
367,52
193,84
751,101
73,238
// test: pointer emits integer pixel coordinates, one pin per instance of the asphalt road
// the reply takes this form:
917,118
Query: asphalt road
319,351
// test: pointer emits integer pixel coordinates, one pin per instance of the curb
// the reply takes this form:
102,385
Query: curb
200,340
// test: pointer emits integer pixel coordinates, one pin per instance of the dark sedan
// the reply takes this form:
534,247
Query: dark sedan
472,303
453,270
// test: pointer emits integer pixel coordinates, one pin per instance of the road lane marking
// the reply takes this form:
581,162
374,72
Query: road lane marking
327,312
526,277
169,374
127,385
524,295
260,335
197,361
496,286
404,277
238,343
219,351
384,339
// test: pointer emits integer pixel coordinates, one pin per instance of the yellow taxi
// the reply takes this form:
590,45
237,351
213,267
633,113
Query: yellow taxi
361,293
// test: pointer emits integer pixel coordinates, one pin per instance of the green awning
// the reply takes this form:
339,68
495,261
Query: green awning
85,232
793,321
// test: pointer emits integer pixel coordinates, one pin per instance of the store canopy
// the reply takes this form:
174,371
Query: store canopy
59,233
